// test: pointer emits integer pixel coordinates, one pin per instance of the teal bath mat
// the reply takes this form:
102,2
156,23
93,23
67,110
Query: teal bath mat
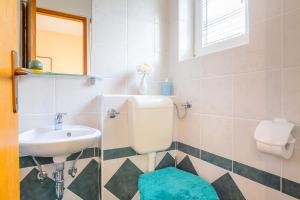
174,184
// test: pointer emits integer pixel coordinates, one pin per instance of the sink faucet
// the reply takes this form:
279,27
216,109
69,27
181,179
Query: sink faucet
58,121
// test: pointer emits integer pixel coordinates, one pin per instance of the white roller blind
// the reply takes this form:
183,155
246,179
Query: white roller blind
222,20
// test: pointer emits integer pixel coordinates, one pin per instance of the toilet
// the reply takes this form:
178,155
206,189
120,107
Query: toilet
150,121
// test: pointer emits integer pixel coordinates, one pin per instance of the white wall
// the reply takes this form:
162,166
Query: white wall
126,33
232,90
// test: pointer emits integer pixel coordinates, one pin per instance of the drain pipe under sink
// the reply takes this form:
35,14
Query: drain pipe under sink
58,176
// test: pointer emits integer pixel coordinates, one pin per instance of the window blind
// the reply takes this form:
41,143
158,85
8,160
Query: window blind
222,20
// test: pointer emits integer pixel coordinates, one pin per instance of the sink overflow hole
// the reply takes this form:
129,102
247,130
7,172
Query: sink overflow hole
69,134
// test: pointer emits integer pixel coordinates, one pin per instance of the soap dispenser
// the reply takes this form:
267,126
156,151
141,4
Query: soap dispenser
166,88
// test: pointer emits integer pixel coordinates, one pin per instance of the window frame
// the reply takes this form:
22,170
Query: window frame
222,45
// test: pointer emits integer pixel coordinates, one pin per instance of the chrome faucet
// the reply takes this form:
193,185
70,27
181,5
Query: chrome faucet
58,121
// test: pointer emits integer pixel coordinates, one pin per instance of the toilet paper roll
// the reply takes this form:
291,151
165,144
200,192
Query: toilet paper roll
281,151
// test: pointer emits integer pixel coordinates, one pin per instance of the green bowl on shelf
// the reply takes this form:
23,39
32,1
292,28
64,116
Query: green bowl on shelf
36,64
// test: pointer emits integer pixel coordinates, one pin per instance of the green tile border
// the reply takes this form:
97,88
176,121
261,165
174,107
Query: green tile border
216,160
291,188
110,154
262,177
27,161
192,151
259,176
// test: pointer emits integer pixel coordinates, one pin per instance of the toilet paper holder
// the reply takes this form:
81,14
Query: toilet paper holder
275,137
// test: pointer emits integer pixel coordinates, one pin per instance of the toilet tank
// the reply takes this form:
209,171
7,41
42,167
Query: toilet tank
150,123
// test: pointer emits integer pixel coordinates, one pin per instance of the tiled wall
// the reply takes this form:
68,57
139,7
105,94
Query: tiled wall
126,33
84,186
231,91
39,100
129,33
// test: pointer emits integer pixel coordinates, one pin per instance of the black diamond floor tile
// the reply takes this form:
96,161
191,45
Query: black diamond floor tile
32,189
86,184
187,165
167,161
124,183
227,189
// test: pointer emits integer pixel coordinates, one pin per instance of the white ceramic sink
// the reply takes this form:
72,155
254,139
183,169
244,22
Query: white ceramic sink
59,144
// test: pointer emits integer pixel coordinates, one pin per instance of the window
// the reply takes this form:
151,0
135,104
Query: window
224,24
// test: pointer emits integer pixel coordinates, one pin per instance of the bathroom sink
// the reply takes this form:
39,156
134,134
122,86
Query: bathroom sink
59,144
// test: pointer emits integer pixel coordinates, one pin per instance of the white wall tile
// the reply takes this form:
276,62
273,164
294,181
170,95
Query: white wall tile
110,61
36,95
118,102
84,119
76,95
110,22
28,121
114,86
141,10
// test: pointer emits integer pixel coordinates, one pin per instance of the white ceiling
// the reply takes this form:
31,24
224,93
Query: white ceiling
48,23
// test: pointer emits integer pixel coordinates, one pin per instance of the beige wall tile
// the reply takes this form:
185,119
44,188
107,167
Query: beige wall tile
261,10
291,39
107,195
197,164
216,96
109,168
216,135
218,64
115,132
264,50
290,5
189,90
258,95
254,191
290,168
245,150
291,94
210,172
189,130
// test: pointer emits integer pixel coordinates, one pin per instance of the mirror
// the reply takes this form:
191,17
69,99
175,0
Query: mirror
57,33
